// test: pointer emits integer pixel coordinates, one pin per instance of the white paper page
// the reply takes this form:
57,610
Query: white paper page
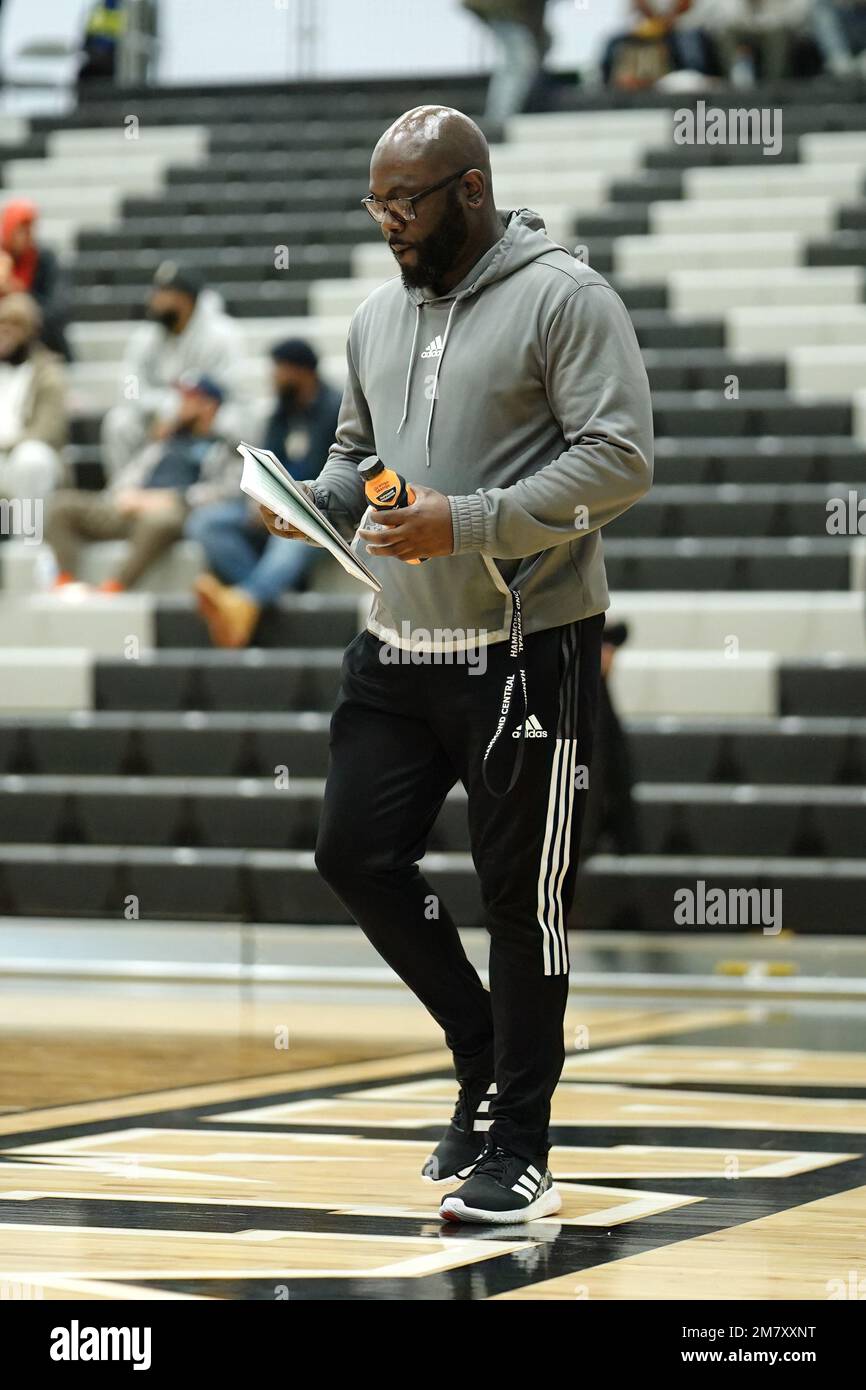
259,483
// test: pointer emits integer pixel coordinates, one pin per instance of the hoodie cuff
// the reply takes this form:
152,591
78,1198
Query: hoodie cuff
467,523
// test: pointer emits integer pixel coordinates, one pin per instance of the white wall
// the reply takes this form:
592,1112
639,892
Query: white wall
222,40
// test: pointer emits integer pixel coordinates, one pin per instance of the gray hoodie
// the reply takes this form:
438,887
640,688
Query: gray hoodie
521,394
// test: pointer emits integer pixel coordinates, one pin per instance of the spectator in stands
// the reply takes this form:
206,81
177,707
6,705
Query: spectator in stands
33,423
103,29
840,29
249,569
757,37
518,27
188,334
33,269
148,502
665,35
119,43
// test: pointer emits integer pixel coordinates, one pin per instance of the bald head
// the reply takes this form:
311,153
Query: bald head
436,140
438,152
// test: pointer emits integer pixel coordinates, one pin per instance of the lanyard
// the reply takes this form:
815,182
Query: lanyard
518,672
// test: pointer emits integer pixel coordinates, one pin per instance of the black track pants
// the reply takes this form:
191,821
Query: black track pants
401,736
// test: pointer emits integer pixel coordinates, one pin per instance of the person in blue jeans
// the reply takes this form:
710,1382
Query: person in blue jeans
248,569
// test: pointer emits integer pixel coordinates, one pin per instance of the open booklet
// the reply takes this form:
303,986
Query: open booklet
267,482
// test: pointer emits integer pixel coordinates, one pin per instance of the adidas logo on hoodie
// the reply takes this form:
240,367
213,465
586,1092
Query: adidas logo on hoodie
533,729
434,348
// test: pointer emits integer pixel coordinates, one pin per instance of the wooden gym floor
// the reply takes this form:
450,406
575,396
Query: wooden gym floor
163,1142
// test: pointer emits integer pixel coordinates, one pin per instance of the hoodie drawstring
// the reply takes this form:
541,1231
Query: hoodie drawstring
436,378
410,368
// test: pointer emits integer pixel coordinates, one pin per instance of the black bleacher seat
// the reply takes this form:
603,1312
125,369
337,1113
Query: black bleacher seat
824,686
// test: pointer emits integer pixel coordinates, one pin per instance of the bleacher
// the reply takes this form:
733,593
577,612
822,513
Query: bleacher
744,681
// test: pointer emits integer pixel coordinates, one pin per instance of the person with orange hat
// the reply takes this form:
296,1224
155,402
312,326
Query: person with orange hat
28,268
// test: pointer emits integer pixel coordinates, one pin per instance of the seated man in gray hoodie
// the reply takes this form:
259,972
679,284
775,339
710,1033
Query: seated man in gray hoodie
502,379
187,334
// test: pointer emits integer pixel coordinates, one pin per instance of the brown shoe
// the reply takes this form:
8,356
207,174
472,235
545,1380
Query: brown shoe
208,591
231,615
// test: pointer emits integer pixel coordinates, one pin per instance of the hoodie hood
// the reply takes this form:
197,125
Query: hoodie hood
523,241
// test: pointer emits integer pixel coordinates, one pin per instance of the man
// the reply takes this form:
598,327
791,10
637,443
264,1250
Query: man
518,27
29,268
840,29
503,380
148,501
249,568
187,334
756,35
33,420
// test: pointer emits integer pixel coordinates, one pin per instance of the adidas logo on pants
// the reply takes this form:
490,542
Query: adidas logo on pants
533,729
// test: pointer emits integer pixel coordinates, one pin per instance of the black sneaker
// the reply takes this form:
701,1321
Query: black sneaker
504,1188
463,1142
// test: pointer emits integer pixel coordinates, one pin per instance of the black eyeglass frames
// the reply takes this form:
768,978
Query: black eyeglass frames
404,208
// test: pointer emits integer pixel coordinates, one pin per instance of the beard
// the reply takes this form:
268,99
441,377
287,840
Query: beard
436,254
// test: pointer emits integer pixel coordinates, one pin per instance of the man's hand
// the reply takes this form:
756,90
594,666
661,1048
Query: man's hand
144,499
278,527
418,532
135,499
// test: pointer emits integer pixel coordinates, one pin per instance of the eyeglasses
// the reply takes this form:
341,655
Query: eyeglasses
404,208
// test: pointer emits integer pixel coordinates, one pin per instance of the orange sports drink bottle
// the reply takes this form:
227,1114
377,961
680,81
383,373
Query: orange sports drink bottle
385,488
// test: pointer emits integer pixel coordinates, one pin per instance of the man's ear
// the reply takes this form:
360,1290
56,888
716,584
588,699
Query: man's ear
474,183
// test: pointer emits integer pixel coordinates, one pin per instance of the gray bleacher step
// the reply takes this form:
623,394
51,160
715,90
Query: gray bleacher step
242,680
707,370
826,685
818,895
213,812
197,884
752,413
260,813
775,458
724,509
665,748
818,821
743,564
218,229
265,299
235,264
842,248
304,620
192,743
638,893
